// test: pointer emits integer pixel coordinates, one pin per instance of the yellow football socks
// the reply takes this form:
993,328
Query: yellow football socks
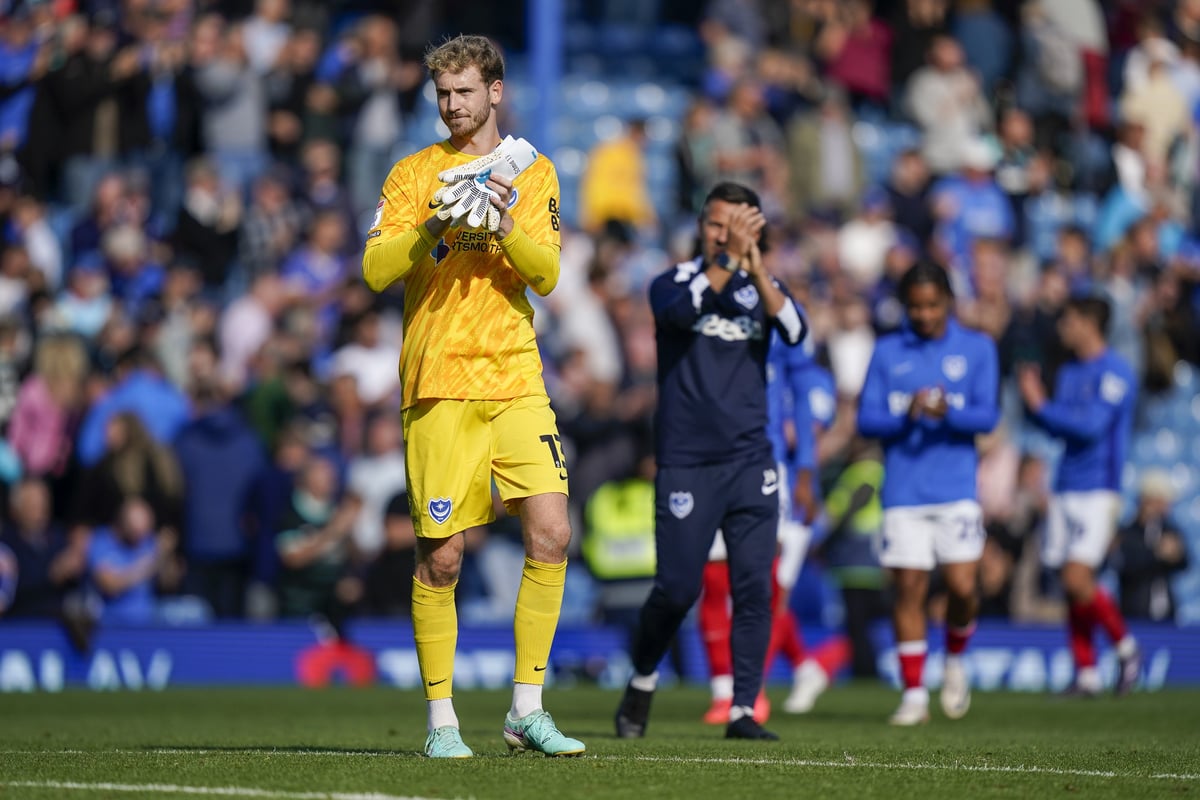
539,601
435,629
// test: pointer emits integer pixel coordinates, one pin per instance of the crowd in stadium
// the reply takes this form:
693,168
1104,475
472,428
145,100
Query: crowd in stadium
197,386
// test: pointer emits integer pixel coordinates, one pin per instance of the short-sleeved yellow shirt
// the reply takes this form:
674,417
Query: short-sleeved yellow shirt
468,325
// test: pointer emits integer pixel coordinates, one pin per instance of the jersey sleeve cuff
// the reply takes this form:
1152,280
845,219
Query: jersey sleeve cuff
789,319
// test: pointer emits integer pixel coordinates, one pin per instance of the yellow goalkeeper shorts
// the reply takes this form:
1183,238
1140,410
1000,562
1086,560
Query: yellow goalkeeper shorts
455,449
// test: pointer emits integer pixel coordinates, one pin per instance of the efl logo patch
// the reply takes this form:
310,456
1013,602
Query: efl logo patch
954,367
746,297
378,215
440,508
681,504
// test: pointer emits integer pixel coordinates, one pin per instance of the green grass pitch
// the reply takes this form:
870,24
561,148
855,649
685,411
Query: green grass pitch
341,744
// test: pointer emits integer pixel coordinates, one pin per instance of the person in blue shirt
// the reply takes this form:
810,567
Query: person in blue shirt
124,562
716,468
931,388
1092,412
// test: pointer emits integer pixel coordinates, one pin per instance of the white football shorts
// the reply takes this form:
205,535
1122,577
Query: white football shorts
921,537
1080,527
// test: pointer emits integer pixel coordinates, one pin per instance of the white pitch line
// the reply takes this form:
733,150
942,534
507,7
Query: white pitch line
849,763
852,763
219,791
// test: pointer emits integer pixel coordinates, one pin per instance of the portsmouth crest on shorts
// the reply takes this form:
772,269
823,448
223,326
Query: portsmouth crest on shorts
746,297
440,508
954,367
681,504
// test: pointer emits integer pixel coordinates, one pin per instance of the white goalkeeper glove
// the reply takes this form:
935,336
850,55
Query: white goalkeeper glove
469,203
510,159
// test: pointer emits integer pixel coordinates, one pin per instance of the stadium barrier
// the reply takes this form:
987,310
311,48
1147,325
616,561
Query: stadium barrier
39,657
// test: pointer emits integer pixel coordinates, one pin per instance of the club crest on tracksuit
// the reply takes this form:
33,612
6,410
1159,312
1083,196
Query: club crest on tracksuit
440,508
681,504
746,297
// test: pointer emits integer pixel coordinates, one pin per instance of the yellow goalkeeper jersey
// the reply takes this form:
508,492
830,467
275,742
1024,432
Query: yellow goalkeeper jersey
468,325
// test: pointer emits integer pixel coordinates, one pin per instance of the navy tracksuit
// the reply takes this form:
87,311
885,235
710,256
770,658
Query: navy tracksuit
716,468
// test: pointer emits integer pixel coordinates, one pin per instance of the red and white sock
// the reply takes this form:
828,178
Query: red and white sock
1109,616
957,638
1080,621
912,663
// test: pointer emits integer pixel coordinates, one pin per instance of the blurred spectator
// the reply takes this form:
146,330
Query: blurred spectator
856,48
855,520
85,305
323,189
908,191
988,308
299,107
1016,152
42,429
1050,75
234,101
915,26
266,33
313,543
221,461
141,390
44,566
369,97
375,478
825,166
864,241
1032,332
272,224
887,312
206,233
986,40
387,590
695,156
618,543
748,145
134,274
1148,551
969,206
84,90
132,465
30,228
246,325
1159,106
126,560
946,101
614,183
1153,47
371,360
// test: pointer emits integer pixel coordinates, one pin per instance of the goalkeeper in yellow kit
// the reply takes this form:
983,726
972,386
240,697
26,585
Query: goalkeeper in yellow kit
474,405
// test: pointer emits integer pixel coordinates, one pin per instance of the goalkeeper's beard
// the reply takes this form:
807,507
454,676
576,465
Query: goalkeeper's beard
473,122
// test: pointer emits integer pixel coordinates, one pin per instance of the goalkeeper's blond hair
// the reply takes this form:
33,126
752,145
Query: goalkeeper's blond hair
461,52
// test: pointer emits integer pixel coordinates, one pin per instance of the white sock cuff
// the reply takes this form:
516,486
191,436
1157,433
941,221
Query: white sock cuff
737,712
645,683
441,714
1127,646
917,648
722,687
